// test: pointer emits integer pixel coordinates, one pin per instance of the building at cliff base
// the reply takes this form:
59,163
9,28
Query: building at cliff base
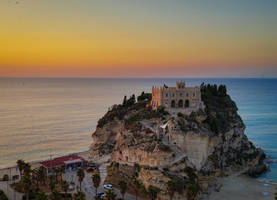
179,97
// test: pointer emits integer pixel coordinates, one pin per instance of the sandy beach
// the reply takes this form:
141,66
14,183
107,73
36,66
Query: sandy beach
242,187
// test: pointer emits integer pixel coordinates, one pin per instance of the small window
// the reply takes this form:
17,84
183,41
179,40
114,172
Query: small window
180,94
173,95
187,94
166,95
193,94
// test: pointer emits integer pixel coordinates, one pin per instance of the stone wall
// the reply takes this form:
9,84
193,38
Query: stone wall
176,97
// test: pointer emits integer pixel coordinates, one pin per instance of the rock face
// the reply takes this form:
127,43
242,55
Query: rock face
209,141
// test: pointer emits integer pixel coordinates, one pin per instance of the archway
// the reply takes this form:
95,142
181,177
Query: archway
180,103
173,104
187,103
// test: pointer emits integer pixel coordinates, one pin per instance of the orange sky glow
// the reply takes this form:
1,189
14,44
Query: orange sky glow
87,38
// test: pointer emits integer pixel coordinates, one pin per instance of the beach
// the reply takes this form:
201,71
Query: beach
242,187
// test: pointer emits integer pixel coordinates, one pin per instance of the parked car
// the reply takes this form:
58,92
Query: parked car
101,195
89,169
93,165
108,186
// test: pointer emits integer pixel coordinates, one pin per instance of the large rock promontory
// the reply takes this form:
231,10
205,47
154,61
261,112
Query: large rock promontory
190,147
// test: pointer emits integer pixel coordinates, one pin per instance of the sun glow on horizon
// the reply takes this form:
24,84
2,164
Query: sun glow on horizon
139,38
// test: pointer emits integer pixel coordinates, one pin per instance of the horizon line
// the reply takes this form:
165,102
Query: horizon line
111,77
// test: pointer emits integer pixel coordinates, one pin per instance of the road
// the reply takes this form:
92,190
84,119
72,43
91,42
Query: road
87,185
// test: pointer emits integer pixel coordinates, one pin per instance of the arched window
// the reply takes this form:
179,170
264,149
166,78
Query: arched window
180,103
187,103
173,104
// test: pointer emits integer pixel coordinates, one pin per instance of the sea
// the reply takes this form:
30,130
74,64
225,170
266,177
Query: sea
43,117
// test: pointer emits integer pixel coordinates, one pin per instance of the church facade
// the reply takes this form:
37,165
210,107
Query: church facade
181,97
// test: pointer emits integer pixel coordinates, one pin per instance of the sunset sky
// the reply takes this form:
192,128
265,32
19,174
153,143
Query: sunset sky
138,38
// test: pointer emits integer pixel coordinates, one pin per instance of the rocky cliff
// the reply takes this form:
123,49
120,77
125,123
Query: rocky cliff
205,142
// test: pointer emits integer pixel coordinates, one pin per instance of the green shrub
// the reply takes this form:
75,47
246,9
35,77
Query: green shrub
5,177
3,196
179,114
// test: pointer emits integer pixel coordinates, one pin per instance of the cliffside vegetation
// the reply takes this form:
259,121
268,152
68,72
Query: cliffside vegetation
220,109
128,104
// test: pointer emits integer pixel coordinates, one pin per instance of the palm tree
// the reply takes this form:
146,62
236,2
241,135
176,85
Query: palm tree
171,188
27,169
52,182
110,195
41,196
123,188
65,186
26,186
57,171
137,184
62,171
153,192
79,196
81,175
42,174
96,181
56,195
35,177
20,165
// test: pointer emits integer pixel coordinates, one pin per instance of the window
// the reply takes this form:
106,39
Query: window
166,95
173,95
180,94
193,94
187,94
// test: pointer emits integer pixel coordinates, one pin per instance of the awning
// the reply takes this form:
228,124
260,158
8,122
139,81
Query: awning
73,161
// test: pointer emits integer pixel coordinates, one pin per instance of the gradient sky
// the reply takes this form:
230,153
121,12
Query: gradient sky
138,38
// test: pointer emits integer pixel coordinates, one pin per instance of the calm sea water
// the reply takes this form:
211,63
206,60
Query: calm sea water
43,117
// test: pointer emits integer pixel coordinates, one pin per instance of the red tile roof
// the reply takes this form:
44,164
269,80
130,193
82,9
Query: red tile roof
58,162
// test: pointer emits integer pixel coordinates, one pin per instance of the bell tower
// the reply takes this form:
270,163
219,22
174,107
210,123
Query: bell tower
180,85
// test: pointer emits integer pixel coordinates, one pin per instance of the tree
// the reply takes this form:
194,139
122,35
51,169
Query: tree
65,186
123,188
35,177
42,174
57,172
5,177
61,171
79,196
27,169
124,100
41,196
20,165
192,191
171,188
56,195
110,195
81,176
137,184
3,196
52,182
153,192
26,186
96,181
